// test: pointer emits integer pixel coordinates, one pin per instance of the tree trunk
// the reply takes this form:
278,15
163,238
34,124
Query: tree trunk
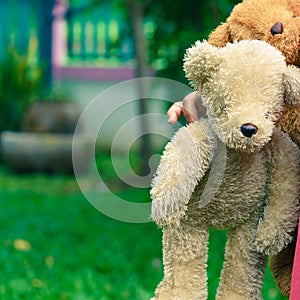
137,10
45,19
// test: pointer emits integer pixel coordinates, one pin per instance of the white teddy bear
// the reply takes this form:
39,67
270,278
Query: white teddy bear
232,170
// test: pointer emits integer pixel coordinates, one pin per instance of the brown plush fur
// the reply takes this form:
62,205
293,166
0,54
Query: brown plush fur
253,19
290,117
256,199
281,268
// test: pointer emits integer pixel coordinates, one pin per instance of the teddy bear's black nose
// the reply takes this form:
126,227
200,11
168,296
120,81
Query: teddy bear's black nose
277,28
248,129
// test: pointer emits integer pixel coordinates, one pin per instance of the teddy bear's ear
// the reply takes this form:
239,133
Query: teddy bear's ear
220,36
292,85
200,62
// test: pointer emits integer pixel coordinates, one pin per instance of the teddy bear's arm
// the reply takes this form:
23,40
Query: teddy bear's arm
282,209
186,159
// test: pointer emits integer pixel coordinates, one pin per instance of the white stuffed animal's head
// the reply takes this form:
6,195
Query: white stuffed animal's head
244,86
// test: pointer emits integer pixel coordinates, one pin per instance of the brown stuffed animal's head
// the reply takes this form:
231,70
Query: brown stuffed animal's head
276,22
244,86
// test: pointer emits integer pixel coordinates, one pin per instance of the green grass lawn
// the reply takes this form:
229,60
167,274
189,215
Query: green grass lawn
55,245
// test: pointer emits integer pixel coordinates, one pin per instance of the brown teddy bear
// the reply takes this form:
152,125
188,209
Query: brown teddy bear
278,23
237,145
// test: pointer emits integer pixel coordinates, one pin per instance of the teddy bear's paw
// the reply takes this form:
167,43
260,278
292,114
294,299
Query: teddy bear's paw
231,296
169,297
179,293
272,244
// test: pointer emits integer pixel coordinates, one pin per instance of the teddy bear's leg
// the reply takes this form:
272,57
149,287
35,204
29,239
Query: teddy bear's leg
184,258
243,271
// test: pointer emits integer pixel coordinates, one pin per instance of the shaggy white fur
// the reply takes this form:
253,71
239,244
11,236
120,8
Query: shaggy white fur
257,198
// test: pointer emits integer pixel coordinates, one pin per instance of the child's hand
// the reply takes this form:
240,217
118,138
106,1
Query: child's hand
189,107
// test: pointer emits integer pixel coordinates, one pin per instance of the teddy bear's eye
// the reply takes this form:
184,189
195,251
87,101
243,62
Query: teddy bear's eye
277,28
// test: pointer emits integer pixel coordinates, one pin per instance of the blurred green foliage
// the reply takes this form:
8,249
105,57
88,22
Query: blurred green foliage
22,82
177,25
20,79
